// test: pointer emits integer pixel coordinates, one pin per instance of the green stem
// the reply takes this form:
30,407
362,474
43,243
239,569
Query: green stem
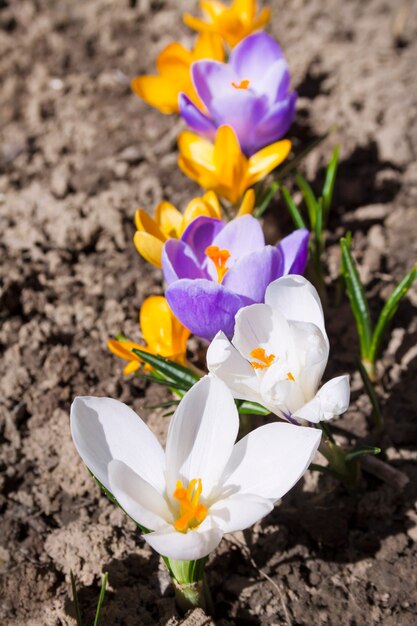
192,596
348,472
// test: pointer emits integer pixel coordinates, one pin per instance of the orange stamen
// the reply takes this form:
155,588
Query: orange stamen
244,84
290,377
192,512
219,258
262,359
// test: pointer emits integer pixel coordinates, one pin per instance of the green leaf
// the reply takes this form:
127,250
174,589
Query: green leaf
292,208
75,599
329,182
309,198
252,408
370,390
174,386
356,453
266,199
101,599
318,229
388,312
324,469
356,294
120,337
172,371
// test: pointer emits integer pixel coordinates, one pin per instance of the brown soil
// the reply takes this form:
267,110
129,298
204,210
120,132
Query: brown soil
78,154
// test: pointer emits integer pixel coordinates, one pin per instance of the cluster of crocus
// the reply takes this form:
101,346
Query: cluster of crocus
227,286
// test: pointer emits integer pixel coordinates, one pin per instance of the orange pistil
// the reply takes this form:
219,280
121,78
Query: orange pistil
219,258
263,360
192,512
244,84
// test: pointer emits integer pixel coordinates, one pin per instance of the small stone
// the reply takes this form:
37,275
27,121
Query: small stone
60,182
132,155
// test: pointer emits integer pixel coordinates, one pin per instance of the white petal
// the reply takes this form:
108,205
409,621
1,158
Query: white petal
138,498
104,429
189,546
280,393
270,460
201,435
297,300
225,362
259,326
311,351
331,400
239,512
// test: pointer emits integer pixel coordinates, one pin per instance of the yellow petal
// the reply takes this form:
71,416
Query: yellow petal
158,91
169,219
231,164
212,200
248,203
264,161
246,9
149,247
156,324
123,349
262,19
174,57
209,46
213,8
145,222
131,367
199,151
196,24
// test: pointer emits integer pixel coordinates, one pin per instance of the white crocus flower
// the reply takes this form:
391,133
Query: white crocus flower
278,355
203,485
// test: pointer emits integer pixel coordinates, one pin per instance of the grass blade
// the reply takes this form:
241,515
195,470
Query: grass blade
309,198
388,312
172,371
292,164
266,199
292,208
356,453
370,390
252,408
356,294
101,598
75,600
172,384
329,182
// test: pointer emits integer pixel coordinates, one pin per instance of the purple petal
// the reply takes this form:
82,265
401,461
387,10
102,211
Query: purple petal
276,82
205,307
252,55
179,261
241,109
240,237
251,275
194,118
211,78
275,124
200,234
295,251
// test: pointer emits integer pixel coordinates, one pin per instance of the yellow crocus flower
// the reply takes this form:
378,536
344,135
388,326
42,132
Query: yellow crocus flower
233,22
169,222
162,332
173,65
223,167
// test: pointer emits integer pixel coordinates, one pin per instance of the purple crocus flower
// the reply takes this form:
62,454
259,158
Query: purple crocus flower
250,93
216,268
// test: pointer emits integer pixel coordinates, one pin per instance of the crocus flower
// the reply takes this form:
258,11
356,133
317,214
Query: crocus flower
169,222
278,355
223,167
162,332
232,22
203,485
215,269
173,64
250,93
